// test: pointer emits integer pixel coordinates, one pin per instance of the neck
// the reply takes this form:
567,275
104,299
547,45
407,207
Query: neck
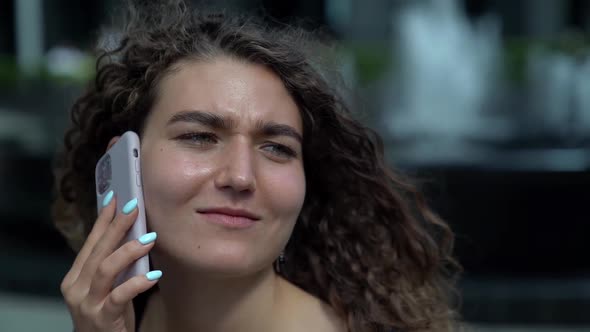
193,301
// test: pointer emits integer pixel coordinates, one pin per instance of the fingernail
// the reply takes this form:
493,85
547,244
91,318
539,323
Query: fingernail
147,238
153,275
130,206
107,199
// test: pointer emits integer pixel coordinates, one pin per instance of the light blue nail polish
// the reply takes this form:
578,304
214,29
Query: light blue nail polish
147,238
107,199
130,206
153,275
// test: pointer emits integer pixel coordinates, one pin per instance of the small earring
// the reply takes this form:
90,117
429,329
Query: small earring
280,262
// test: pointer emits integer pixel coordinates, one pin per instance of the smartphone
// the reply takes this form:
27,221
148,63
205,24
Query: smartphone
119,170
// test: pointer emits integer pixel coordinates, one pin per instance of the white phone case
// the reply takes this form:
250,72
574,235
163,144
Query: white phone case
119,169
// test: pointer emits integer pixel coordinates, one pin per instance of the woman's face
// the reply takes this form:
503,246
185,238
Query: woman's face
222,134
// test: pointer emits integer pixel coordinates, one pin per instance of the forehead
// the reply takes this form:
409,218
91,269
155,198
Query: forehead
243,91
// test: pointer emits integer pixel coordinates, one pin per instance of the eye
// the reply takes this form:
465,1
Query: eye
198,138
280,150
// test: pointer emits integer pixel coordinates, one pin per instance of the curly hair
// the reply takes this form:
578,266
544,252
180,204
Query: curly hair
366,241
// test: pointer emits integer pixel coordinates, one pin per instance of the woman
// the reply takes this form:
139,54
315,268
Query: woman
234,119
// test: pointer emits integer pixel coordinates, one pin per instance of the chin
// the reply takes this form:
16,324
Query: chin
217,260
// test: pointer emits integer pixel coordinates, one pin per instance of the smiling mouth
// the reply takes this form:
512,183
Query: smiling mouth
229,217
229,221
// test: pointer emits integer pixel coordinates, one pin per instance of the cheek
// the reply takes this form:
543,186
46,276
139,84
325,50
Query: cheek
286,190
170,178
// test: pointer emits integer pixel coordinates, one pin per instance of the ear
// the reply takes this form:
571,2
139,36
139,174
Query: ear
113,141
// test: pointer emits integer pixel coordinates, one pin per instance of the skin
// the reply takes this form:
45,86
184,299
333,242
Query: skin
217,278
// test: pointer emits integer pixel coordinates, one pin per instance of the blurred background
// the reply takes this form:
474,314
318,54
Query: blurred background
486,101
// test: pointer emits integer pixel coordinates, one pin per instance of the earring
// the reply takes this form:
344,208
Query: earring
280,262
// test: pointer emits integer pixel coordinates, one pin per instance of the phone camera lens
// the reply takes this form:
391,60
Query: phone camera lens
104,174
135,153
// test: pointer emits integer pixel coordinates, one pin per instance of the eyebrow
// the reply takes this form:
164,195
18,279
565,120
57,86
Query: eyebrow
212,120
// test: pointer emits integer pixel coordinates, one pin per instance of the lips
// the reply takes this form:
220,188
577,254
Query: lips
228,217
231,212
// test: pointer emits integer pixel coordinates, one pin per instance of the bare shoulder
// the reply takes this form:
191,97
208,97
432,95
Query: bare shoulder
308,313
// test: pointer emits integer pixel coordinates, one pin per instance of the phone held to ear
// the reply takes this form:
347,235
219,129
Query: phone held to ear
119,170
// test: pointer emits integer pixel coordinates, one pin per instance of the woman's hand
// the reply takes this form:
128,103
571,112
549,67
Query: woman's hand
86,288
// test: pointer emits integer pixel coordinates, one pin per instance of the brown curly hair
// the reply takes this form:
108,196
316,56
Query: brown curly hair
365,241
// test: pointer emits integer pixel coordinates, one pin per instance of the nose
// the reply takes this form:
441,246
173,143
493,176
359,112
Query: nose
236,169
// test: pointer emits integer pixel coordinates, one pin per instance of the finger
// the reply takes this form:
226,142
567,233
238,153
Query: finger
114,264
105,246
101,224
120,297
